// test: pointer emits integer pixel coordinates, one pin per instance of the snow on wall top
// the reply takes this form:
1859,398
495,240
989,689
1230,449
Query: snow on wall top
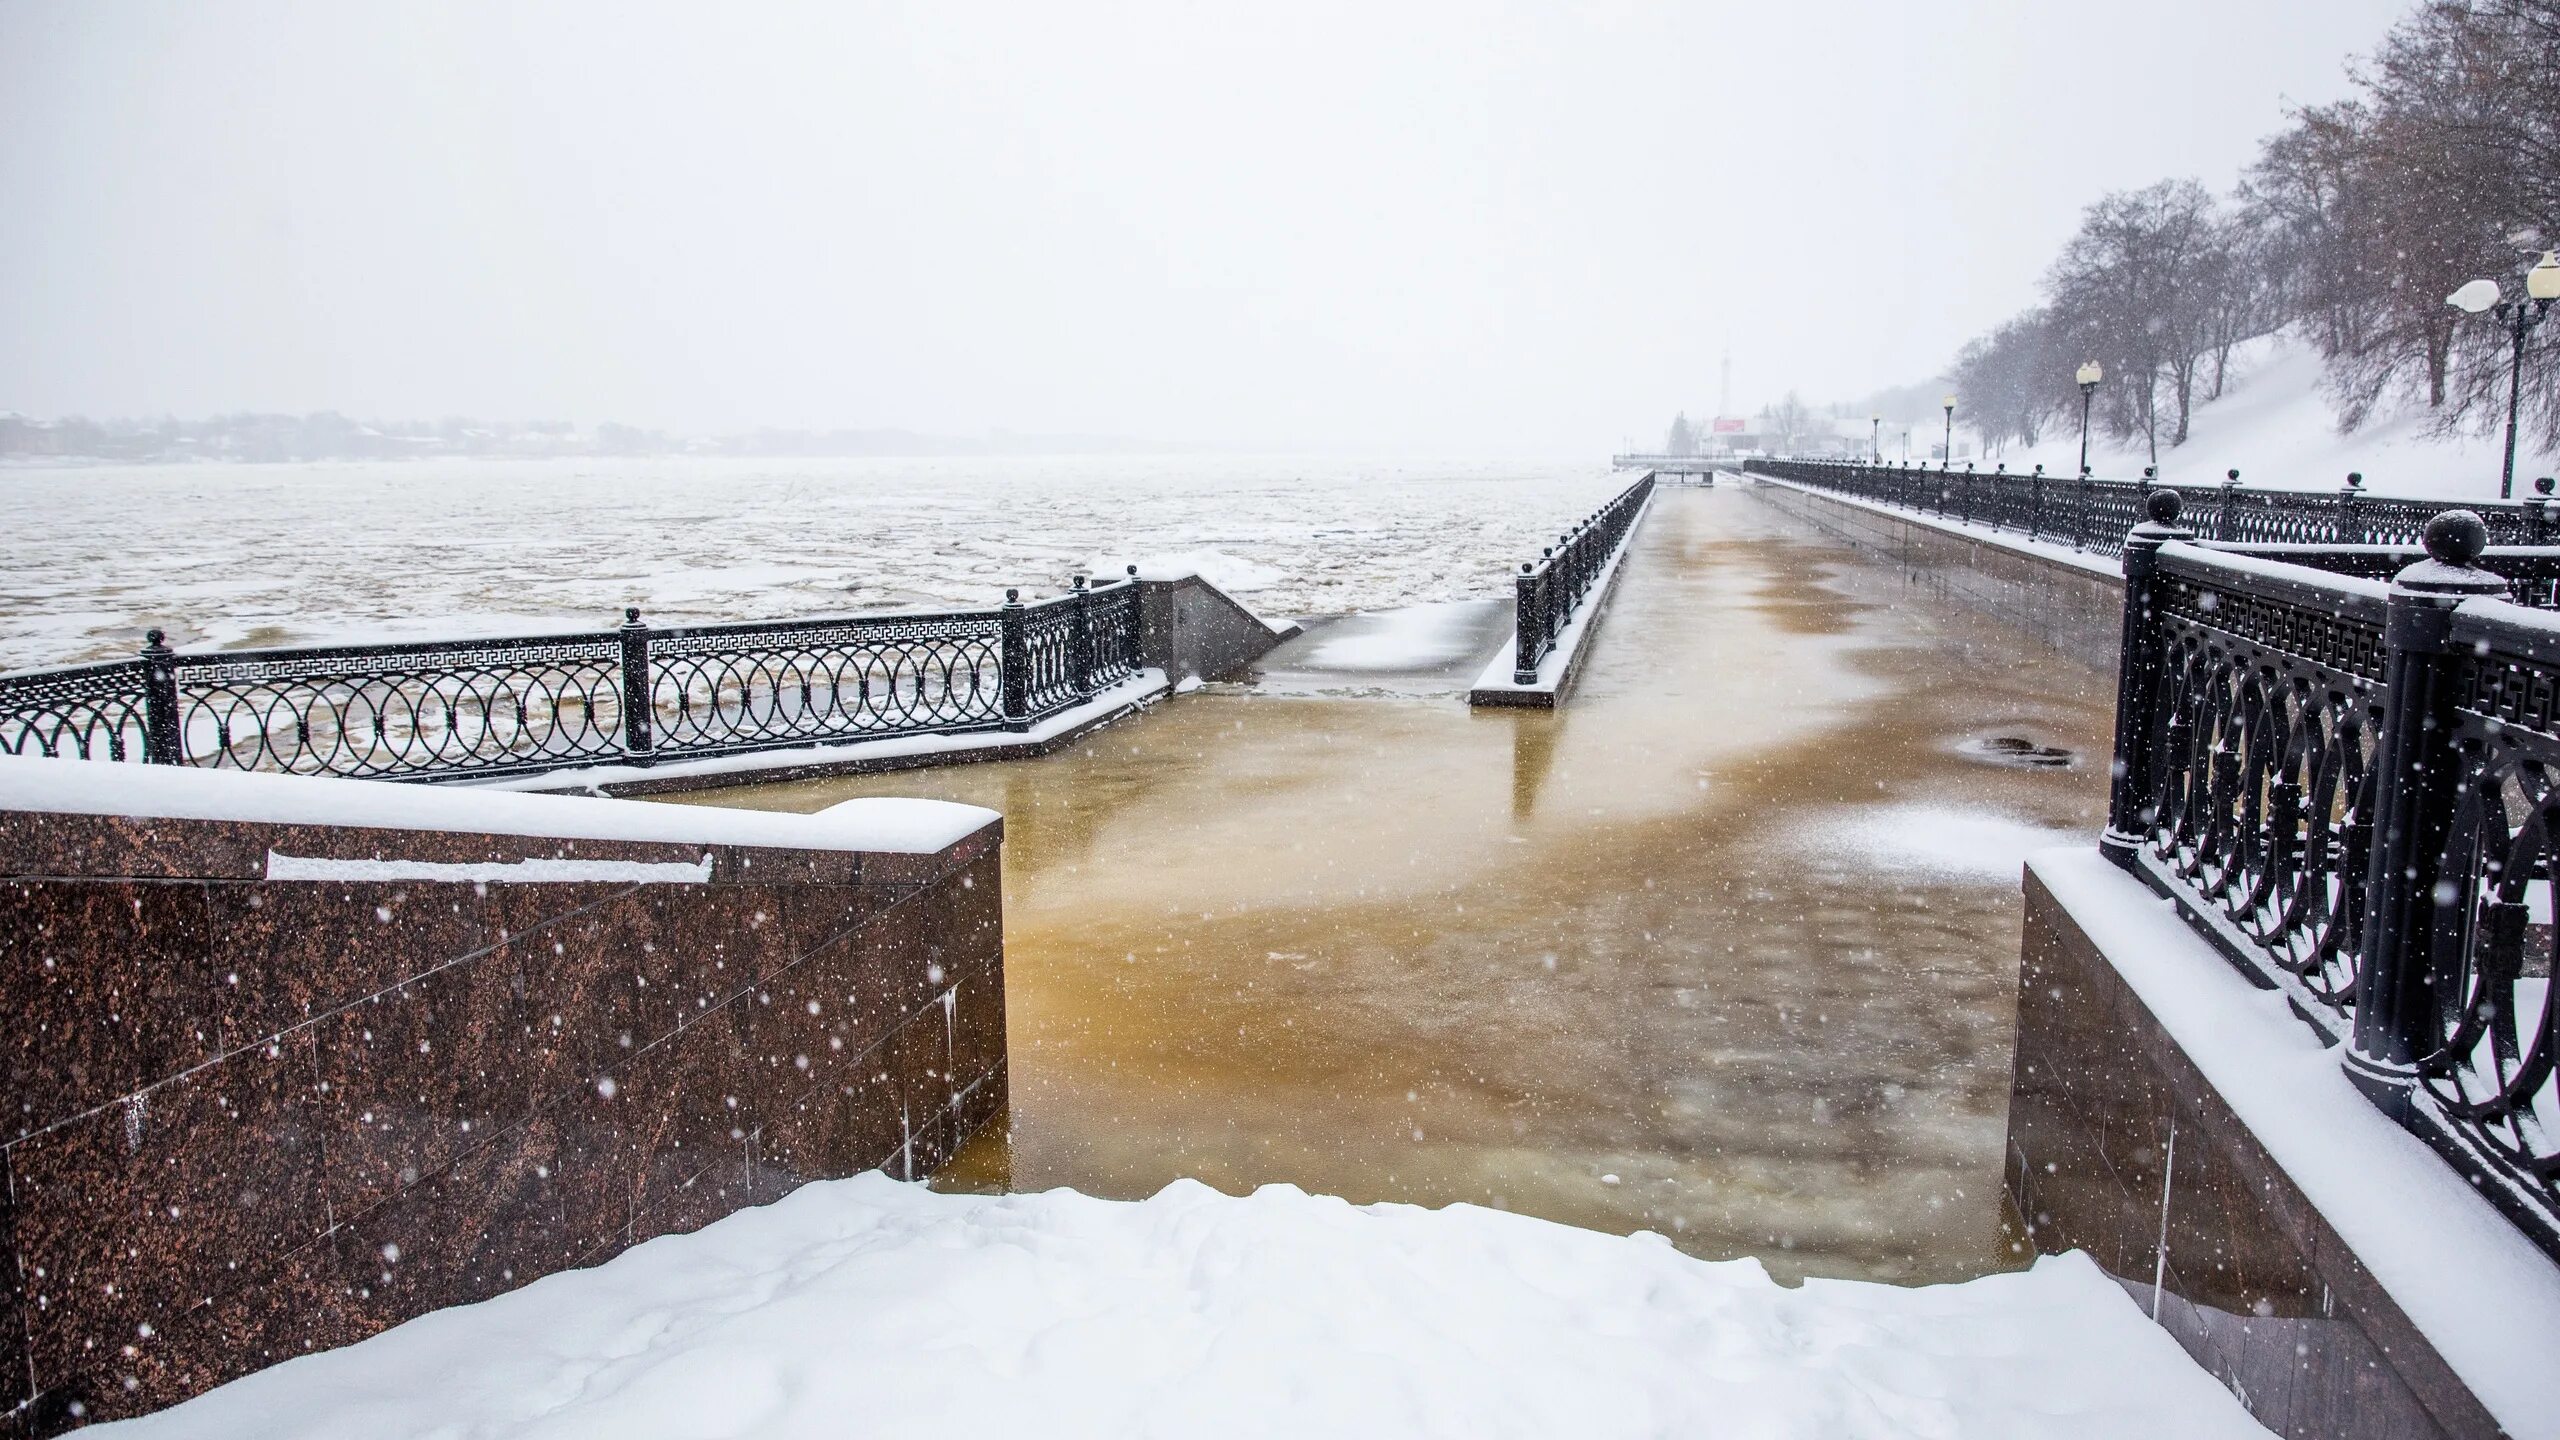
100,787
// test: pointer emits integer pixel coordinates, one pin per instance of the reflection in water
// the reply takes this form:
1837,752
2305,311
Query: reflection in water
1533,754
1605,967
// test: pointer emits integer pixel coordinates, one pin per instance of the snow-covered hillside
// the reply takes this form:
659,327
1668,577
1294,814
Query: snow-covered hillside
2276,427
867,1307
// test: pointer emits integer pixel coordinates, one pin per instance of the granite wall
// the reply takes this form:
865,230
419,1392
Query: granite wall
249,1118
2118,1146
1190,627
2078,611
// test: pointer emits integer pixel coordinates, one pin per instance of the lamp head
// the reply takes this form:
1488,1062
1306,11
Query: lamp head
2475,297
2542,282
2089,373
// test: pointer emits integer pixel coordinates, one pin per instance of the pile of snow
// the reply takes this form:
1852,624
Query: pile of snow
1937,841
2278,428
867,1307
1411,637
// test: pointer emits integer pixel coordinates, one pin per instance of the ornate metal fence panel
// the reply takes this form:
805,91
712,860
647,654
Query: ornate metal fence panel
2262,758
2494,1028
86,712
1049,640
2349,785
2007,501
2532,573
2263,517
451,709
1550,589
2112,508
1115,633
398,711
2095,514
716,689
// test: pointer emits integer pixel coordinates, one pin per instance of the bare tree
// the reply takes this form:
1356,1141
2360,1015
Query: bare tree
2008,379
2303,203
1789,419
2124,290
2466,137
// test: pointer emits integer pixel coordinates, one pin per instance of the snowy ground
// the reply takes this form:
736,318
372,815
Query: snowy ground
1937,841
230,555
866,1307
2276,427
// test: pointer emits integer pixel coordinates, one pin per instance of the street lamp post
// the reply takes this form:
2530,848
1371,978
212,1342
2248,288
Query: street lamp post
2089,376
1875,439
2541,288
1948,449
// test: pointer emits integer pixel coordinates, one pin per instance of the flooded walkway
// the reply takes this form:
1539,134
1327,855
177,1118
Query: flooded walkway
1724,949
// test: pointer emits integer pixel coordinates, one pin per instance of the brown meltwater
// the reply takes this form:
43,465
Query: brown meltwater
1725,949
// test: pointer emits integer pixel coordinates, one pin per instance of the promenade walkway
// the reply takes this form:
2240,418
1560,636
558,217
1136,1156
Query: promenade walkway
1725,949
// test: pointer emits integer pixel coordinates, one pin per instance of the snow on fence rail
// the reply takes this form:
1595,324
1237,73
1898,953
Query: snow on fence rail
438,709
1550,588
2093,514
2348,784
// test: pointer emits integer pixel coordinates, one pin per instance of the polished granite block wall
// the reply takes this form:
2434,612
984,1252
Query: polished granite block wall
2118,1146
2077,612
1190,627
247,1118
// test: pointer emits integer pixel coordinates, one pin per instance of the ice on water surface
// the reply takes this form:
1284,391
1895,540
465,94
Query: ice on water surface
229,555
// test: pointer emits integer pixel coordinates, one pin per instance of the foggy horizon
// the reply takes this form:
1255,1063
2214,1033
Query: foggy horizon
1326,231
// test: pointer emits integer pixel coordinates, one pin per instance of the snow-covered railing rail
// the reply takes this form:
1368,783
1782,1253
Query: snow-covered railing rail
1550,588
2087,513
439,709
2349,784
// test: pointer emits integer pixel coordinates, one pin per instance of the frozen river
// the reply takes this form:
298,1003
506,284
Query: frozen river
228,555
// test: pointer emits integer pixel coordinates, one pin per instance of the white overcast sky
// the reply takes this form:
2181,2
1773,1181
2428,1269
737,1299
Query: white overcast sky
1455,228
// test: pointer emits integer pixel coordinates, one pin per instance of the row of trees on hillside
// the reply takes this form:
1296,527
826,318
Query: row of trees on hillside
2353,224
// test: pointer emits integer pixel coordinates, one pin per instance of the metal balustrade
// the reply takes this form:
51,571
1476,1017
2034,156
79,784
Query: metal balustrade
2347,783
445,709
1550,588
2092,514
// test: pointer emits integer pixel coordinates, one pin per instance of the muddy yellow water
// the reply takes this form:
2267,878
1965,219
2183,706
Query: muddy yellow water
1725,949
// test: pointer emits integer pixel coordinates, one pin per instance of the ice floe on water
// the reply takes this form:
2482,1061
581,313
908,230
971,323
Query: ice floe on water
225,555
868,1307
1232,573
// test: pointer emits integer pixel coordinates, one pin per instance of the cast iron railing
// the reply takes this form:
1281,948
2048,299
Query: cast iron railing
438,709
2091,514
2347,782
1550,588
